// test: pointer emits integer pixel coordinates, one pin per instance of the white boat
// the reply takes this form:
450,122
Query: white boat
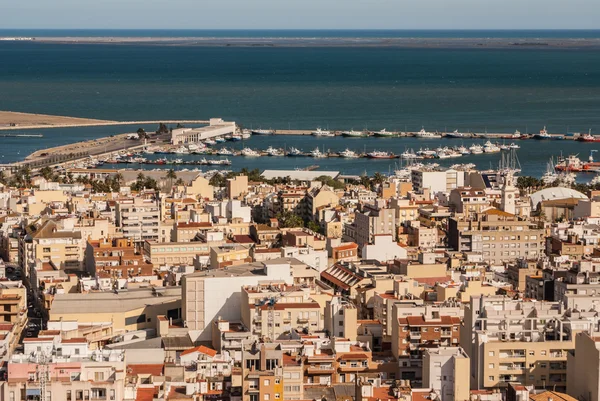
514,146
456,134
225,152
182,150
220,139
263,132
384,134
595,181
250,152
463,150
550,176
349,154
427,135
376,154
489,147
271,151
295,152
210,142
476,149
246,134
320,132
192,147
543,134
426,152
504,147
352,134
409,154
317,153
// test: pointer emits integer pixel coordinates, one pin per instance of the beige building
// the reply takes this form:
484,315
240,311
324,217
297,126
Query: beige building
262,373
446,371
497,235
520,341
174,253
237,187
229,255
341,318
583,377
273,310
199,187
138,218
317,198
374,220
51,241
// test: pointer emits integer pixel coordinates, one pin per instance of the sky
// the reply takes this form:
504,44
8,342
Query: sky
300,14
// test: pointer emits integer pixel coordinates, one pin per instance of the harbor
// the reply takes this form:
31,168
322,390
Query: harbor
227,145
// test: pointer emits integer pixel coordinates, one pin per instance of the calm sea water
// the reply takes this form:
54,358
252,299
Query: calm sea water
340,88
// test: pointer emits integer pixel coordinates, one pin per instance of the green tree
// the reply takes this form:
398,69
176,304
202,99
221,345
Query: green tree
119,178
162,129
330,182
217,180
313,226
46,173
289,219
365,181
179,182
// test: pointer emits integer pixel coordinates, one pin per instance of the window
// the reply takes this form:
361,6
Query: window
531,353
491,366
267,382
491,353
491,378
267,397
277,396
99,376
436,329
46,250
340,323
277,381
424,329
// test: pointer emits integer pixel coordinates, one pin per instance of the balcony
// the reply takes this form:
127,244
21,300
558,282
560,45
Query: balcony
415,335
320,370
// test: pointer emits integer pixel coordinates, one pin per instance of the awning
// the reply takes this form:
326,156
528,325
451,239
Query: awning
32,391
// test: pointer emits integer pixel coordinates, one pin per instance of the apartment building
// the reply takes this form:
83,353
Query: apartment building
138,218
190,231
227,255
229,337
374,220
237,187
318,198
583,278
413,334
497,235
174,253
217,292
516,341
71,371
518,271
446,371
273,310
51,241
341,318
436,181
583,377
262,372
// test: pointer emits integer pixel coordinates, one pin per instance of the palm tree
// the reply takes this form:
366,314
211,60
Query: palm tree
378,178
141,176
119,178
171,175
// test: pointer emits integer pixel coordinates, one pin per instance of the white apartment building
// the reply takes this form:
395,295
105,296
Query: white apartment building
139,218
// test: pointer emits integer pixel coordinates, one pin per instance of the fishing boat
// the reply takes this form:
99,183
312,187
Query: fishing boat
348,154
571,163
295,152
320,132
250,152
220,139
317,153
489,147
380,155
271,151
383,134
427,135
514,146
353,134
543,134
262,132
225,152
236,138
210,142
246,134
182,150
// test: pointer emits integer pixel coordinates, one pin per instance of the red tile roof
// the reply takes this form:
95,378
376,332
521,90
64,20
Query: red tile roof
145,369
201,349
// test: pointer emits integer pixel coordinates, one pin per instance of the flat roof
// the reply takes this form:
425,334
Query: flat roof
110,302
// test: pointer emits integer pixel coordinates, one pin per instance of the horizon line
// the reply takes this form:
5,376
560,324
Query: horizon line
304,29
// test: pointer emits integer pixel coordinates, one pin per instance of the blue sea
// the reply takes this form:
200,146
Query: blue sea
475,89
